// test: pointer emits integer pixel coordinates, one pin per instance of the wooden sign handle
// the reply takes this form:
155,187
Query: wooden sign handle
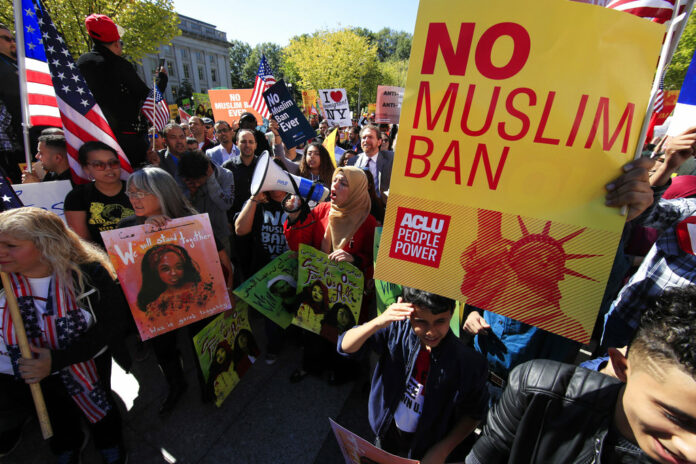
36,393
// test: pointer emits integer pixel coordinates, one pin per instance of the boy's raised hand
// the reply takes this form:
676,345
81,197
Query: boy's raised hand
395,312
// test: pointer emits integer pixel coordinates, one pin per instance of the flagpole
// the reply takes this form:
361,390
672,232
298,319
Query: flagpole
23,342
21,65
154,109
665,58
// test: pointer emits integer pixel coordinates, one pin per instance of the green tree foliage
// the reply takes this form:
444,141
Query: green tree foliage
682,56
341,58
239,54
391,44
148,23
394,72
273,55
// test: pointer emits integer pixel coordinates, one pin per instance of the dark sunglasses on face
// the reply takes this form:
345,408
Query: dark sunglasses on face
7,39
100,166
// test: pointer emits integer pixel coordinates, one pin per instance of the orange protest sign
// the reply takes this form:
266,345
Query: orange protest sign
229,104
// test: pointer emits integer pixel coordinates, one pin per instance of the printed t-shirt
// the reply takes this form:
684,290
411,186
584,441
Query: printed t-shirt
410,407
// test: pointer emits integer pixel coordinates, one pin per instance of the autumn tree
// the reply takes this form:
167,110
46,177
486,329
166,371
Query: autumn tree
148,23
338,59
682,56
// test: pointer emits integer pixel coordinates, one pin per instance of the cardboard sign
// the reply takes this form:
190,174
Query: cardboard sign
389,100
273,290
202,104
171,276
46,195
669,98
173,111
335,103
293,126
357,450
229,104
226,349
309,102
330,294
509,131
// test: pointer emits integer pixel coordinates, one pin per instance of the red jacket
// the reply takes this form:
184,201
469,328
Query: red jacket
311,232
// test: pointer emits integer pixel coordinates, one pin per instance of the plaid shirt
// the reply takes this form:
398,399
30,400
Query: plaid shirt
665,266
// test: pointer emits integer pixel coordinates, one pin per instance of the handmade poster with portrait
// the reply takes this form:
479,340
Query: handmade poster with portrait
357,450
272,291
330,294
171,276
226,349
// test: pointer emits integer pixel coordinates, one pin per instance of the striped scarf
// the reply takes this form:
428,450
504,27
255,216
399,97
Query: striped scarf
64,323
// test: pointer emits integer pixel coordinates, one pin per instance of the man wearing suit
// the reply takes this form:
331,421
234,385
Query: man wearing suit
175,140
226,149
378,162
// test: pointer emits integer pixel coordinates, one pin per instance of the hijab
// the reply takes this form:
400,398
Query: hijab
345,220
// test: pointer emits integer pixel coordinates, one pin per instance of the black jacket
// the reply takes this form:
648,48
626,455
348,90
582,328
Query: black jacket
550,413
116,87
9,93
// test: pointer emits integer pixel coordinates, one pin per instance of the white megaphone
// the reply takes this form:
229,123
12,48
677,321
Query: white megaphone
269,176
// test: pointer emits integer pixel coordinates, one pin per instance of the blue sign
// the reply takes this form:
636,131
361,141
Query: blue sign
293,126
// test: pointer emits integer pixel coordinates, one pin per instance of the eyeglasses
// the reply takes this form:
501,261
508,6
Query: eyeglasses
100,166
7,39
138,195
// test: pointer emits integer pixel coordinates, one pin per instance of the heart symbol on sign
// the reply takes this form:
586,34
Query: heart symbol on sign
336,96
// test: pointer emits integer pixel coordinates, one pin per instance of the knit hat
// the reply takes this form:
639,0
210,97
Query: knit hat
102,28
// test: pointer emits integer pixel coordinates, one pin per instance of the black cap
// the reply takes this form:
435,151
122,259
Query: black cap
247,115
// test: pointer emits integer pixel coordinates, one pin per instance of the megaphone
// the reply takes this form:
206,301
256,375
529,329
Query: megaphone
269,176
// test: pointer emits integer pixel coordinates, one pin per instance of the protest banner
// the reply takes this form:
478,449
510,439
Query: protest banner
372,107
171,276
357,450
173,111
389,99
670,98
293,126
229,104
309,102
45,195
509,132
226,349
186,105
335,104
330,294
273,290
202,104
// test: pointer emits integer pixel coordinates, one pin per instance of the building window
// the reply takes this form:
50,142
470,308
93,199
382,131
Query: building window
199,57
170,69
184,53
175,90
166,49
212,59
187,73
201,73
213,74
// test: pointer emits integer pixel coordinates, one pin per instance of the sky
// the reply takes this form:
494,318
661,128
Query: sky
277,21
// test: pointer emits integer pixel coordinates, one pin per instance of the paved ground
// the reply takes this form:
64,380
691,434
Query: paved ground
266,419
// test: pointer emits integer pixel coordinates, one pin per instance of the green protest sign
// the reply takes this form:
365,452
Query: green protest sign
272,290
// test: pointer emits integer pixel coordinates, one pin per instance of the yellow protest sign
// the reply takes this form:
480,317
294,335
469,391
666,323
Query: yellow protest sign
511,126
309,102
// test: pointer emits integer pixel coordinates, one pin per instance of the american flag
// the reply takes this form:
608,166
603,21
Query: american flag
81,117
659,11
8,197
42,104
155,109
264,79
660,96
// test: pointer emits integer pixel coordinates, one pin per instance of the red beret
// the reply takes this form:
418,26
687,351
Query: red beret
101,28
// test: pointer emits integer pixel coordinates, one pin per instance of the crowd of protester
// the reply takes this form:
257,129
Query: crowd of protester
636,402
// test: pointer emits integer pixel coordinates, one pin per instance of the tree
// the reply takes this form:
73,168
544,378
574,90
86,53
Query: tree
185,91
272,52
239,54
148,23
340,59
682,56
394,72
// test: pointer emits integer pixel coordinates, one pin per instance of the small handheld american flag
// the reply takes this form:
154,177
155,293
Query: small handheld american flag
155,109
264,79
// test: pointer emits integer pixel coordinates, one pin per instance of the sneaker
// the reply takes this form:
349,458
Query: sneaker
9,440
271,358
115,455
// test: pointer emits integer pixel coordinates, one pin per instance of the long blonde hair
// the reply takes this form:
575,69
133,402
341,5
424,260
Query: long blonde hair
59,246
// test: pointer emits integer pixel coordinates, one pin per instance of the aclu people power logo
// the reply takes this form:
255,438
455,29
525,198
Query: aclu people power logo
419,236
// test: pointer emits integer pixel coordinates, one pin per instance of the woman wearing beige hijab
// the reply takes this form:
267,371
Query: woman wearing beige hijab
344,229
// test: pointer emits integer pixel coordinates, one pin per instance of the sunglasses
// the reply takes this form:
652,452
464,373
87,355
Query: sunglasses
139,195
100,166
7,39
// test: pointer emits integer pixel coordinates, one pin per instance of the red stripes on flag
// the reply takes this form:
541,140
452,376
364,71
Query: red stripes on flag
43,108
658,10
